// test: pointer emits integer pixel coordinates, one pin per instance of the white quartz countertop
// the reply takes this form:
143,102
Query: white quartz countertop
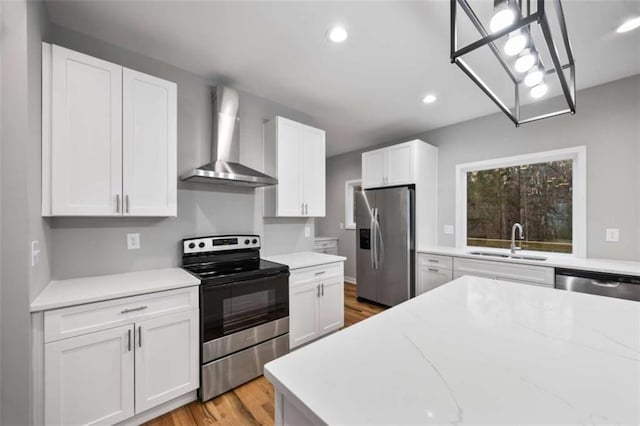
76,291
475,351
559,261
304,259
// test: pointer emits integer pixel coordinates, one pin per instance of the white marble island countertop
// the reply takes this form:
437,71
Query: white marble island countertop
304,259
474,351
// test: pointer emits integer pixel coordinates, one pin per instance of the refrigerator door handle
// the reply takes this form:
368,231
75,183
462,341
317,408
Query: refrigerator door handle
379,248
372,239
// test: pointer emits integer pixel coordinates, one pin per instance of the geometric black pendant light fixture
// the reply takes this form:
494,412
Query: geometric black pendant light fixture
508,35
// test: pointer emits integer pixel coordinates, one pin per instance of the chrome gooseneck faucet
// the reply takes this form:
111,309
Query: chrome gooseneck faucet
513,237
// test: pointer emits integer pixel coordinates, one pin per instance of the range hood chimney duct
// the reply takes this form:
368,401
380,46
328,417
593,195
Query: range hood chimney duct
225,167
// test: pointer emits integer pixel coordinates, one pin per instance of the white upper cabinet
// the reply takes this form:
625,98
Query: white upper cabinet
295,155
149,145
394,165
85,135
108,138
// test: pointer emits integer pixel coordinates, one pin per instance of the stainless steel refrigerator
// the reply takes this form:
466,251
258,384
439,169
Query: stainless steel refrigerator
385,237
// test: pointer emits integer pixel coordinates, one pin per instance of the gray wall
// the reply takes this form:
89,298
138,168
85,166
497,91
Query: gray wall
607,122
23,24
88,246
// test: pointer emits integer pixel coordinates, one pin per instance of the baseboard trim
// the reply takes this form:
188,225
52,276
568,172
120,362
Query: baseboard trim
350,280
161,409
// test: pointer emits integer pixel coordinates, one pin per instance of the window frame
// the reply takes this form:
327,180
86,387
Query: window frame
579,194
349,195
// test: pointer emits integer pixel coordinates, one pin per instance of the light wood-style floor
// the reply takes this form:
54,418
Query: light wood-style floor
252,403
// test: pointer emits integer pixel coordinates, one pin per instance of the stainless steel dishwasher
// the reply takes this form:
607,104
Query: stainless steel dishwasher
611,285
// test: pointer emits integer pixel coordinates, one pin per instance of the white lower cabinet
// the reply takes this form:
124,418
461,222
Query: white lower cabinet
166,361
146,354
432,277
433,271
89,379
316,305
526,274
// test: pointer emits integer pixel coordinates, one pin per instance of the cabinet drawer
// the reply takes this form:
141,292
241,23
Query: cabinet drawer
325,244
316,272
434,260
91,317
430,277
530,274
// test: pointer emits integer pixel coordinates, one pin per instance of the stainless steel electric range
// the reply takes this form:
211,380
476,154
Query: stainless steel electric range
244,309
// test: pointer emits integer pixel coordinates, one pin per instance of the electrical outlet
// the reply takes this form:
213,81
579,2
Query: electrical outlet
448,229
133,241
35,252
613,235
307,231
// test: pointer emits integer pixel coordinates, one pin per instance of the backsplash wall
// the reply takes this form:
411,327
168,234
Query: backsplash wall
92,246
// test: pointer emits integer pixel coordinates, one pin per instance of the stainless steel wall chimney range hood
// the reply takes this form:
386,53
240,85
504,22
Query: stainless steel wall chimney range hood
224,167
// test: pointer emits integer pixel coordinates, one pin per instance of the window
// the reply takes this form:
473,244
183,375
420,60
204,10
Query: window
544,192
350,188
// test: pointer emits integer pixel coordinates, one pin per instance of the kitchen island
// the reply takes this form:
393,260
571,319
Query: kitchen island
473,351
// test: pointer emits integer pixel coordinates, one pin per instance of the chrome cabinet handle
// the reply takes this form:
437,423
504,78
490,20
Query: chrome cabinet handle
126,203
129,338
117,203
322,288
318,287
139,308
433,260
139,336
320,273
302,209
433,270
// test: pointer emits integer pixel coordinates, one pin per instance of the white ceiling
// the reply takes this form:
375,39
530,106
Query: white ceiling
365,91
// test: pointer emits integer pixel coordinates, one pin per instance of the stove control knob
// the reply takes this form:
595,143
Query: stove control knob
192,245
254,241
201,245
246,241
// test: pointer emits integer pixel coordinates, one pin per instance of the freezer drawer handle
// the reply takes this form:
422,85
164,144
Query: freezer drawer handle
605,284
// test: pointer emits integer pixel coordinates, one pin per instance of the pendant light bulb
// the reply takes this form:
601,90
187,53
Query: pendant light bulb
525,61
539,91
516,42
534,77
503,16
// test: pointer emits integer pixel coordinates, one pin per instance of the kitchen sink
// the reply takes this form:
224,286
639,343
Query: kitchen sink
506,256
485,253
531,257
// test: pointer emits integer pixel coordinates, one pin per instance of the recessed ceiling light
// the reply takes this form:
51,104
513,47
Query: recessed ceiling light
628,25
337,34
430,98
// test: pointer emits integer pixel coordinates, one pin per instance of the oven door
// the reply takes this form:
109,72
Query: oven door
231,308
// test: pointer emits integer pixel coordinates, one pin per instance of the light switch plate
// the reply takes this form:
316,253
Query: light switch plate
448,229
133,241
307,231
613,235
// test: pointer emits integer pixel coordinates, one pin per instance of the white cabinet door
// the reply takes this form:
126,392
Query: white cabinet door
89,378
331,305
430,278
290,202
399,165
313,170
86,135
167,358
373,169
149,145
303,310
